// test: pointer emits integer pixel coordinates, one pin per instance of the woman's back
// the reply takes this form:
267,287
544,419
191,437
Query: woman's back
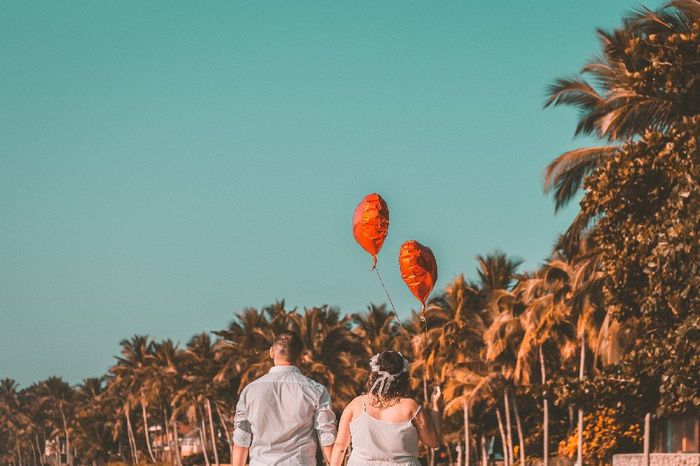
384,436
386,426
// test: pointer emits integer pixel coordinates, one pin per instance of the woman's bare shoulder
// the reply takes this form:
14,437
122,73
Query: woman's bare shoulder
410,403
355,404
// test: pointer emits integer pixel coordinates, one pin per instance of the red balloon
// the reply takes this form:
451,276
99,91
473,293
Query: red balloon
418,270
370,224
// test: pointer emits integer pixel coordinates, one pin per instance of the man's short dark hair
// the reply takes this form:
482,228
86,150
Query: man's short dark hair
288,345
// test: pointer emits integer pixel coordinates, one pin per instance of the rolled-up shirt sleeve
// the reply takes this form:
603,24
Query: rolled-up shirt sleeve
242,433
324,420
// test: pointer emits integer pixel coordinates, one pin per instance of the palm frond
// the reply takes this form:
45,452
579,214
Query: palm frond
601,71
574,91
565,174
570,244
689,7
637,114
662,20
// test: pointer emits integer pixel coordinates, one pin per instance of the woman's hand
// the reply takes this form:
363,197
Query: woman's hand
436,398
342,440
429,421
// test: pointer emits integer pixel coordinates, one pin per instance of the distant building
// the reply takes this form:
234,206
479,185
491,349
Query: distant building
678,434
190,444
675,442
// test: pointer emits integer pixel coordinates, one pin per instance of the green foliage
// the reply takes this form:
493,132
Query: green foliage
605,433
645,198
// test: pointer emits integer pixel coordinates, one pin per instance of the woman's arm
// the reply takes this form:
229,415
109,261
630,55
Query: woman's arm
429,425
342,440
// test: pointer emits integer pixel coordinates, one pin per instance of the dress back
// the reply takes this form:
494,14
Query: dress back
380,443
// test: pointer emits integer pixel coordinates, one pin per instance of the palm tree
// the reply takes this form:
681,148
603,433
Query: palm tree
35,419
200,369
117,396
484,400
377,328
496,271
502,340
567,298
58,398
93,420
547,329
459,344
640,82
132,371
333,355
497,274
15,424
242,348
164,381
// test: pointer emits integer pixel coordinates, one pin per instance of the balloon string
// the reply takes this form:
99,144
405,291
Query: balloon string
393,308
425,335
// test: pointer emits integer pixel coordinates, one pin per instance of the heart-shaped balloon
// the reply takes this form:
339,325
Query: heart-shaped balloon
418,270
370,224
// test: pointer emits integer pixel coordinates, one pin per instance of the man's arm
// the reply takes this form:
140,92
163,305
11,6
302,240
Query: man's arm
324,423
327,453
242,433
343,439
239,455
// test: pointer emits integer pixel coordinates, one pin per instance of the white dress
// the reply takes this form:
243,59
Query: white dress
379,443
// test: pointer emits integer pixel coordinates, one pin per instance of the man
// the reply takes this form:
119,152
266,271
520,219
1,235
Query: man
279,415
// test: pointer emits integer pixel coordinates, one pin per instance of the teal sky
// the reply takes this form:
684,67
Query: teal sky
165,164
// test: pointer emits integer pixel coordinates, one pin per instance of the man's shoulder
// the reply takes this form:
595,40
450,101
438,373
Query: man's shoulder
260,380
308,382
294,378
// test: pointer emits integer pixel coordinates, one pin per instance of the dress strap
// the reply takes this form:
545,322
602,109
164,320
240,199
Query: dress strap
364,408
416,413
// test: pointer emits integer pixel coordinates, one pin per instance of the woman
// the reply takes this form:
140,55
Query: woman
385,424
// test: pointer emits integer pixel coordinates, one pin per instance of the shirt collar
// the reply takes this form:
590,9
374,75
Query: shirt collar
277,369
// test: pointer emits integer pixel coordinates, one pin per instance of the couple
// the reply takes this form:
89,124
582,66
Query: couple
279,415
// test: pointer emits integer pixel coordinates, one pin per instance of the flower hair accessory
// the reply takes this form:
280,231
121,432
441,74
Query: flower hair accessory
385,378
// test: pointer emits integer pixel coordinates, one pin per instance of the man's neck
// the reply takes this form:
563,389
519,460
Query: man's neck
284,364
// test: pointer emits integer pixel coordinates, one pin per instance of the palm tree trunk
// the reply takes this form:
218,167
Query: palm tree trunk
459,454
519,428
69,458
178,458
504,443
570,410
130,434
229,440
545,420
647,439
167,436
211,430
34,463
484,454
509,428
467,437
581,373
38,448
579,436
145,432
203,436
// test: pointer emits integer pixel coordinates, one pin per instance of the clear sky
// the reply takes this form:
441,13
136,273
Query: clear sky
165,164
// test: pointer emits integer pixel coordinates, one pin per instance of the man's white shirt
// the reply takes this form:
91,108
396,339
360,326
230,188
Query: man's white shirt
279,417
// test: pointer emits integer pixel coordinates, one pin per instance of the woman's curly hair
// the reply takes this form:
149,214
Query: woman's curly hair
393,363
